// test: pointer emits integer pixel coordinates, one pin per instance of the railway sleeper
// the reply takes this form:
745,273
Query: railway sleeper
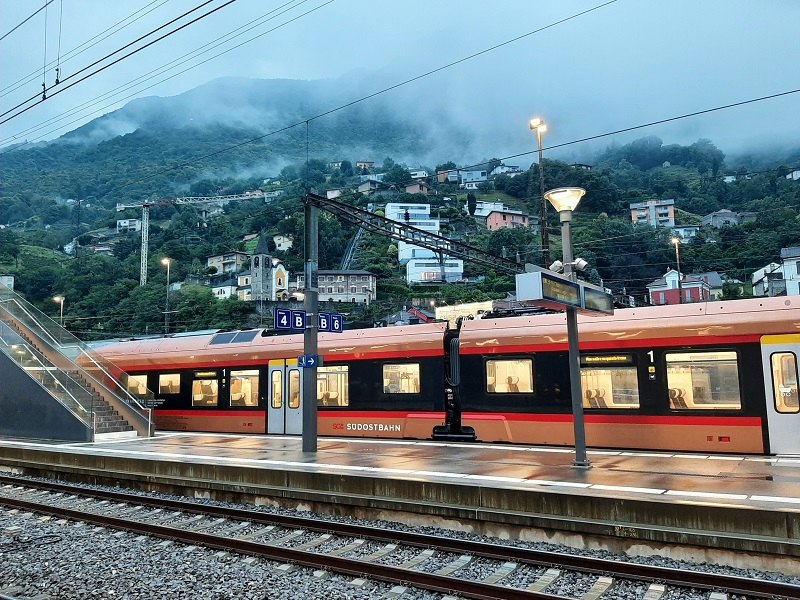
600,587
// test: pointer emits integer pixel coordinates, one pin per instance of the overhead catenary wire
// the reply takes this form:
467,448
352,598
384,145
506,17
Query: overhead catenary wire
280,10
80,49
25,20
118,60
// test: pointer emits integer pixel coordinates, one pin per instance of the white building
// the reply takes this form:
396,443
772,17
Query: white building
790,257
473,176
416,259
418,173
225,289
7,280
344,286
126,225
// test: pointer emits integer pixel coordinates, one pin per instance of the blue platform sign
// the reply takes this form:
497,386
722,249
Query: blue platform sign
309,361
298,319
324,321
283,318
337,323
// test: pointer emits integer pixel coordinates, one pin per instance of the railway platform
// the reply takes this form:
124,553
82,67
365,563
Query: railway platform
738,510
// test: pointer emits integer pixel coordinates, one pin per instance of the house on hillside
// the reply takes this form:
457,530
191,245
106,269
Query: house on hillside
364,164
790,259
354,286
769,281
7,280
656,213
418,173
685,232
511,219
721,218
418,187
507,170
715,282
230,262
334,193
665,289
225,289
126,225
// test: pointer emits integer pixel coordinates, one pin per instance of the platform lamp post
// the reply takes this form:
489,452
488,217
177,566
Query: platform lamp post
564,200
677,242
60,300
538,125
166,262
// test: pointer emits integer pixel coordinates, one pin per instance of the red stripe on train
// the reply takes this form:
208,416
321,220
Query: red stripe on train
541,418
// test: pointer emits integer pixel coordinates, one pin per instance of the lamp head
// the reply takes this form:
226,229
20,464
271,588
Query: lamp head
557,266
579,264
566,198
536,124
676,241
58,299
165,261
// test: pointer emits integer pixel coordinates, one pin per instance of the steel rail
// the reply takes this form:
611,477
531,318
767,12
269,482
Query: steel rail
315,560
681,578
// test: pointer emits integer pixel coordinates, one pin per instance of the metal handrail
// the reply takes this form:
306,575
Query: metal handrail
79,356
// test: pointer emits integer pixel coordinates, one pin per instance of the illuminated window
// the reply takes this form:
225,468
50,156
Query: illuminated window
170,383
294,388
509,376
137,385
703,380
401,379
244,388
784,382
276,391
609,381
332,386
205,389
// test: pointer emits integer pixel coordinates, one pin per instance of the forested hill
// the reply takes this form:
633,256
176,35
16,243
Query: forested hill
124,154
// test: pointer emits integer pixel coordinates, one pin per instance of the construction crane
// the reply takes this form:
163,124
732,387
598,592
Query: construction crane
146,204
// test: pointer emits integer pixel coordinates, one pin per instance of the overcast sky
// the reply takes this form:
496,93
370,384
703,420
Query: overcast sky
622,65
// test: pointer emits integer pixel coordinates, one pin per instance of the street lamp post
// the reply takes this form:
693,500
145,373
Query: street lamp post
539,126
677,242
166,262
564,200
60,300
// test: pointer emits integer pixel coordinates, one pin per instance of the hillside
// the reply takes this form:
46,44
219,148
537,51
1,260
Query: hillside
123,155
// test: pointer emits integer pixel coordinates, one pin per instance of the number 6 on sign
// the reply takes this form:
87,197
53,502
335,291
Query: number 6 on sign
337,323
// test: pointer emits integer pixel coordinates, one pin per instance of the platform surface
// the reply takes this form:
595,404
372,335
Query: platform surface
763,482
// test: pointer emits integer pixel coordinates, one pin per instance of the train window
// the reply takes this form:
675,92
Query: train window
332,386
703,380
401,379
615,384
205,390
170,383
509,376
137,385
277,389
294,388
784,382
222,338
244,388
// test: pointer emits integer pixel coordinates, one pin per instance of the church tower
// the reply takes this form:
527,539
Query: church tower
261,272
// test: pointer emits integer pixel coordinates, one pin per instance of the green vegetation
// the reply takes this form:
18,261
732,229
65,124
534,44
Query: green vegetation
103,293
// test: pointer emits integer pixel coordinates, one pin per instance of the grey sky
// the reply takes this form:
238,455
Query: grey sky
622,65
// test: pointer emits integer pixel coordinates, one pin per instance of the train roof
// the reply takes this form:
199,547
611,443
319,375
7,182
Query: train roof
255,346
707,322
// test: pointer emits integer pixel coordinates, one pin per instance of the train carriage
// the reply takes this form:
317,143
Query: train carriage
711,377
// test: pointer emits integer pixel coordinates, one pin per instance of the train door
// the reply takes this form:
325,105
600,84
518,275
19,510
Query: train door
284,408
780,356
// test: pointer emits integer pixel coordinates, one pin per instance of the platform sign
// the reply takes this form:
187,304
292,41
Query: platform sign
324,321
283,318
337,323
309,361
597,301
298,319
554,291
548,290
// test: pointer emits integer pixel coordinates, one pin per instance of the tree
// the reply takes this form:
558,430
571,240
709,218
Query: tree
472,203
731,290
346,168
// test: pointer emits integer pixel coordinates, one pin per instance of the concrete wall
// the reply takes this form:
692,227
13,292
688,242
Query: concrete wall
28,411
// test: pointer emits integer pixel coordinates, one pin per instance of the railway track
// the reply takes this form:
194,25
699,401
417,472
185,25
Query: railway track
405,559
